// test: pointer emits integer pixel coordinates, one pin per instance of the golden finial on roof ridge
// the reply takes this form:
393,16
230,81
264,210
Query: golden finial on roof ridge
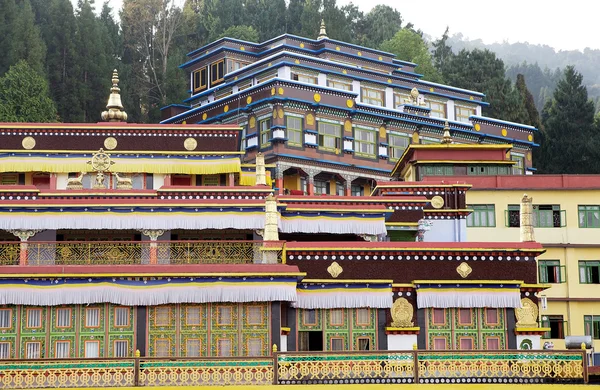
114,106
447,138
322,30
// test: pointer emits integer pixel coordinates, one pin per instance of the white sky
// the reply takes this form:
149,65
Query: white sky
563,25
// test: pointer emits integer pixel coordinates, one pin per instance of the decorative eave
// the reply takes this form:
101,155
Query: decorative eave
393,330
537,287
531,331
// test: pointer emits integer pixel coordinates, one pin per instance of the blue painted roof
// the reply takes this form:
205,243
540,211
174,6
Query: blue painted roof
501,122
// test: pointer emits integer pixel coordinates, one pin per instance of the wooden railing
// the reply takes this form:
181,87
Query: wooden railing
289,368
139,252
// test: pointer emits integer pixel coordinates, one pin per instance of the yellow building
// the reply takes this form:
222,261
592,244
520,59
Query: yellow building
566,217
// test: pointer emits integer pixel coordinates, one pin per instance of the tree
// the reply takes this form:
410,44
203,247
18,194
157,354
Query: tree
381,24
293,16
570,138
245,33
26,42
268,17
24,96
533,116
407,45
442,54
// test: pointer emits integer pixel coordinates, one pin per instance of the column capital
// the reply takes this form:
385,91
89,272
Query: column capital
24,234
152,233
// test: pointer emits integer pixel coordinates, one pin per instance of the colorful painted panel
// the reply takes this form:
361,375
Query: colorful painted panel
310,319
62,346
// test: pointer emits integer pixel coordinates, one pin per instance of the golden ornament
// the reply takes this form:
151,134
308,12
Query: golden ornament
28,143
402,313
317,97
464,270
190,144
437,202
335,270
110,143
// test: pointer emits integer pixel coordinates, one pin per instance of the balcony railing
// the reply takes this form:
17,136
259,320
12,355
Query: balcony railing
289,368
141,252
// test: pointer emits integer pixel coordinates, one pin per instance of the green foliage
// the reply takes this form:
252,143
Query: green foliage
25,42
442,53
381,24
24,96
570,137
407,45
533,116
245,33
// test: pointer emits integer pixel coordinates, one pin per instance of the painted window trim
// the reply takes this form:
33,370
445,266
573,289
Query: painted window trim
201,87
218,319
128,316
70,317
27,313
156,309
305,311
115,347
86,342
10,314
485,317
39,343
56,348
199,307
470,323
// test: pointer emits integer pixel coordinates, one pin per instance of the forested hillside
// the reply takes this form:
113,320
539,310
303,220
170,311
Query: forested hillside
57,61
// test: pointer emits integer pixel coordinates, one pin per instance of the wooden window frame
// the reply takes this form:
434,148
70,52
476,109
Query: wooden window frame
299,131
199,307
260,309
168,308
219,307
487,338
85,314
434,338
85,343
159,339
364,91
199,340
481,209
115,347
359,142
459,310
297,76
304,312
392,148
9,310
332,338
70,317
128,316
357,316
39,343
322,135
443,114
201,87
8,350
471,338
433,317
27,314
215,64
333,83
458,113
248,346
358,339
218,341
331,318
56,348
543,271
585,265
264,143
585,210
485,317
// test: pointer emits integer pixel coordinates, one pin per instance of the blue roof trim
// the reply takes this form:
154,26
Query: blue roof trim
175,105
334,163
499,121
396,61
215,43
531,169
512,140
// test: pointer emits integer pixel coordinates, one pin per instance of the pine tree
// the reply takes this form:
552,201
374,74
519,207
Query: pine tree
442,54
24,96
8,17
293,16
533,116
570,138
26,42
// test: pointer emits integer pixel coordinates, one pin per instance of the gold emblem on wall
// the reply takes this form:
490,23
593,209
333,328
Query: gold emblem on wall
204,116
317,97
110,143
273,91
402,314
464,270
415,138
437,202
28,143
530,138
190,144
310,119
528,156
335,269
249,100
252,122
226,108
527,314
348,126
280,91
504,132
274,113
382,132
350,103
477,127
280,113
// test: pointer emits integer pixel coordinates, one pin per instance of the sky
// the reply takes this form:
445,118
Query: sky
563,25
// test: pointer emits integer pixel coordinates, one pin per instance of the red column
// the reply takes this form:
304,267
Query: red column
167,180
231,179
23,253
348,191
310,187
153,252
53,181
279,185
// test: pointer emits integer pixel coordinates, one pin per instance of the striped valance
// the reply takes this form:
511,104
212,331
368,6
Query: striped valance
344,295
340,223
468,295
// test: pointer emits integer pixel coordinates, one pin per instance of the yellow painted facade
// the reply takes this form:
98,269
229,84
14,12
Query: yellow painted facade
568,244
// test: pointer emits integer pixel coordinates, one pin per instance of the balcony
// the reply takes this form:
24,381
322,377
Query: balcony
289,368
140,252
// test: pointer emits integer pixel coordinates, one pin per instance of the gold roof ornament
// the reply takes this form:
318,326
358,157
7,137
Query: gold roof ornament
322,31
114,106
447,138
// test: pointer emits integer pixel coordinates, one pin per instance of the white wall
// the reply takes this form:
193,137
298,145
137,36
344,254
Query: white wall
401,342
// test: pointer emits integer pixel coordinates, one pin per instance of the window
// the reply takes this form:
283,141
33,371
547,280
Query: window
63,318
439,343
337,343
92,317
255,346
487,170
162,316
265,132
193,316
491,316
556,325
400,99
438,109
592,326
199,77
234,64
62,349
254,315
493,343
436,170
304,78
483,215
519,167
357,190
92,349
589,216
224,347
365,142
462,113
465,343
465,317
266,76
363,317
309,317
211,180
34,318
339,188
547,216
33,350
551,271
372,96
224,315
513,216
121,317
223,92
336,317
320,187
589,272
244,85
216,73
346,85
120,348
329,136
294,130
439,317
162,348
363,343
5,318
192,347
397,146
4,350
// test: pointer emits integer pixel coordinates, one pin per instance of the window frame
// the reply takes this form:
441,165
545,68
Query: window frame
341,315
220,317
187,316
261,319
392,154
586,210
588,323
495,338
68,342
336,338
365,99
265,142
8,349
466,338
585,265
459,112
358,142
115,347
85,343
187,346
260,349
322,136
539,216
28,313
304,317
485,313
296,131
438,338
547,321
10,313
161,340
69,317
336,83
39,349
433,322
127,316
358,322
308,79
218,80
482,210
551,263
219,349
459,312
168,316
361,338
201,87
442,114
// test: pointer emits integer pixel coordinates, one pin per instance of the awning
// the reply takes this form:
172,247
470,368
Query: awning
326,295
468,295
138,291
336,223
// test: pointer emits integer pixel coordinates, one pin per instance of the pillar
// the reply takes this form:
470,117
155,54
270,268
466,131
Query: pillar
231,180
167,180
153,234
348,184
526,217
310,181
53,181
271,245
279,181
24,236
261,172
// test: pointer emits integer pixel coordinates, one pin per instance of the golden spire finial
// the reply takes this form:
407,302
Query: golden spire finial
114,106
447,138
322,31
